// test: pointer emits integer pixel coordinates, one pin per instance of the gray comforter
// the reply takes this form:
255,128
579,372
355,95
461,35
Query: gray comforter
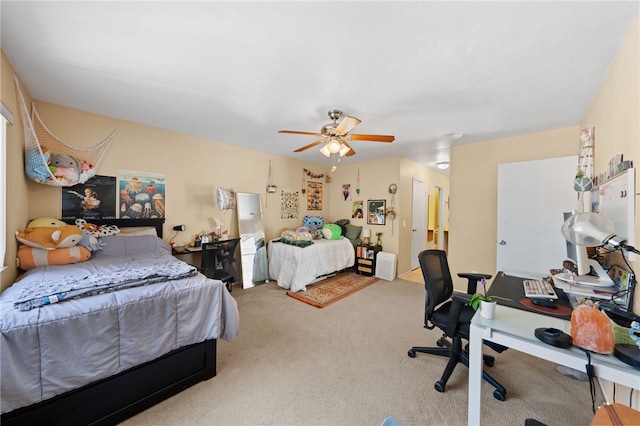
57,347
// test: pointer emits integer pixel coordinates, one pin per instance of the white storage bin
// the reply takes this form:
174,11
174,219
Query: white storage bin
386,266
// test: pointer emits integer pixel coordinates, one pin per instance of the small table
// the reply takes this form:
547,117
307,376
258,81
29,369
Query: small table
187,250
190,251
515,329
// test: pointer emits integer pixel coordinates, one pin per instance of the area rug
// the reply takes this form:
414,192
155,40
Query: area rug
328,291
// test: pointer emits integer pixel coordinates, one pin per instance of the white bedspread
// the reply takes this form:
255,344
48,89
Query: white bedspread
296,267
55,348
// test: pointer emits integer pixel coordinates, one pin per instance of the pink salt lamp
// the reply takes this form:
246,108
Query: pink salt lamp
591,330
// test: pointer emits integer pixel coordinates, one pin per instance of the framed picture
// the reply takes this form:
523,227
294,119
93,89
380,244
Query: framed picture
376,212
314,195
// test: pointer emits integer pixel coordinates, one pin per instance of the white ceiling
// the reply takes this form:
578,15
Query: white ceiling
237,72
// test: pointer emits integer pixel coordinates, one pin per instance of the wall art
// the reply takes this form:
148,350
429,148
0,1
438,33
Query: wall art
94,199
376,210
314,195
142,195
289,205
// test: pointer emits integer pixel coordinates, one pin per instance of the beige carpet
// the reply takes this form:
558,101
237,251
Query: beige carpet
348,365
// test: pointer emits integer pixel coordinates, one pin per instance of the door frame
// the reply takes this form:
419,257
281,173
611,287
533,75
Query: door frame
418,220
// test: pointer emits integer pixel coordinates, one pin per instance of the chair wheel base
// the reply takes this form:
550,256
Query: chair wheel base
439,386
411,353
500,396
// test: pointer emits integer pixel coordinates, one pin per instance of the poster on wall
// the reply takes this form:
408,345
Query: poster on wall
314,195
346,191
94,199
142,195
357,211
289,205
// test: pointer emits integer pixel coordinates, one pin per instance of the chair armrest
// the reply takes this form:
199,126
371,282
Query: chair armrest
473,278
465,298
458,302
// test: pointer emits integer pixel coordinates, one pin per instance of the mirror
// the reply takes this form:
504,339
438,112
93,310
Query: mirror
253,248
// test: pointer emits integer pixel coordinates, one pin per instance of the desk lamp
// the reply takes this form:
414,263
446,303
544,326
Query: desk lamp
594,230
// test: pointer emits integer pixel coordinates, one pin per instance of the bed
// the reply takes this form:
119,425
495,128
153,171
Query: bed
103,358
296,267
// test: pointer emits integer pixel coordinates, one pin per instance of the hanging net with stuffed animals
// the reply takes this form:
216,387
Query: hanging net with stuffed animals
49,160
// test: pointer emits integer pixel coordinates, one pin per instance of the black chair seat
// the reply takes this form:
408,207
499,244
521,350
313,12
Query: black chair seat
441,317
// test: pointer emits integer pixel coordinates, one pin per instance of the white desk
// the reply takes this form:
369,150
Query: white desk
515,328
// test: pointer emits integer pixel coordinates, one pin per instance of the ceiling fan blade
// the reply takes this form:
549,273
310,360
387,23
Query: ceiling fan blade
351,150
295,132
346,125
371,138
311,145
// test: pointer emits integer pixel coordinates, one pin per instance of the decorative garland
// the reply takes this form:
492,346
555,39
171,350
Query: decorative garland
313,175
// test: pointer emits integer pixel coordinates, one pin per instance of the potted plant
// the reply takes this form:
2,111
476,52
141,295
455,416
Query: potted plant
582,183
486,303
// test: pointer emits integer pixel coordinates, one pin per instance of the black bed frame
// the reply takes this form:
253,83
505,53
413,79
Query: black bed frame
116,398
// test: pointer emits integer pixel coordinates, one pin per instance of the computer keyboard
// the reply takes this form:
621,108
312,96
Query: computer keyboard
539,289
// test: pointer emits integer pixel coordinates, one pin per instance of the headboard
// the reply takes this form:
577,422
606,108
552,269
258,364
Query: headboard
124,223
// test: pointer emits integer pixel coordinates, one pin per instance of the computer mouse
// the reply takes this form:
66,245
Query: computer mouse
545,302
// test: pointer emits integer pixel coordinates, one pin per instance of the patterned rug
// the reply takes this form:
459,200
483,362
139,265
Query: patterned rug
328,291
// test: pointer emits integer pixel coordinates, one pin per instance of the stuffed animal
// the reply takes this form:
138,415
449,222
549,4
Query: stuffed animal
36,168
314,223
50,237
46,222
31,257
65,168
91,242
95,230
331,231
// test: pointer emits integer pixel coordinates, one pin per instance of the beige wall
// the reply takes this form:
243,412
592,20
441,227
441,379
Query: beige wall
17,190
194,168
375,178
615,113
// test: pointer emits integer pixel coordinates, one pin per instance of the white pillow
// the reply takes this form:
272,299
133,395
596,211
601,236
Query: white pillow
138,230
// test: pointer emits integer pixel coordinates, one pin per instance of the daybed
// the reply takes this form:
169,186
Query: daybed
103,358
296,267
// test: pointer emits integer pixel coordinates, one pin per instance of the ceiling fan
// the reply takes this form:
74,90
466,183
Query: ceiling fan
336,136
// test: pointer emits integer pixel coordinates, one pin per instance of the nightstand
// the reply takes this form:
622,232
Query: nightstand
366,259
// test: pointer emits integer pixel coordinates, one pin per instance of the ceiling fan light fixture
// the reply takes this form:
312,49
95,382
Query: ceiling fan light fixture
325,150
442,165
344,150
333,146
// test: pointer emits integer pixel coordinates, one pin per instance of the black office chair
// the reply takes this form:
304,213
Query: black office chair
451,313
218,258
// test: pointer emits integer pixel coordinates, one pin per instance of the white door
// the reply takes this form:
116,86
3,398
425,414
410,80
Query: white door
532,197
418,220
